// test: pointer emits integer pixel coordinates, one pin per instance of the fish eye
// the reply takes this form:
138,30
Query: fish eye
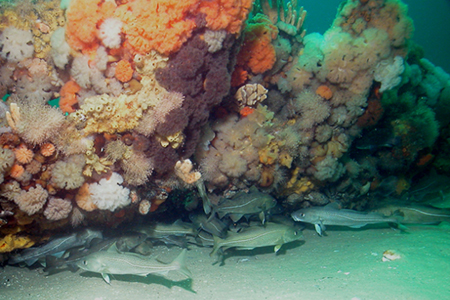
302,215
85,262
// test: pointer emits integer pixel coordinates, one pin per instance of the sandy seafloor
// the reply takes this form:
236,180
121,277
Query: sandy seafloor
346,264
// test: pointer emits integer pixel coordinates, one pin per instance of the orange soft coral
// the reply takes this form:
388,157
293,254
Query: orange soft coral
257,52
82,17
124,71
69,96
226,14
161,25
239,76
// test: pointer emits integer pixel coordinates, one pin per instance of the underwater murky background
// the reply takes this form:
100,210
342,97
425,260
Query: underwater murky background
430,21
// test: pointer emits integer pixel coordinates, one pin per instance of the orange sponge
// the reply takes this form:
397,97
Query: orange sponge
68,96
257,52
82,17
124,71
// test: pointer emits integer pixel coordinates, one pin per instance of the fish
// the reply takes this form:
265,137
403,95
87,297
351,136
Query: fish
129,241
377,139
332,215
432,189
107,263
158,230
253,202
171,240
415,214
145,248
53,263
270,234
204,239
204,195
212,225
56,247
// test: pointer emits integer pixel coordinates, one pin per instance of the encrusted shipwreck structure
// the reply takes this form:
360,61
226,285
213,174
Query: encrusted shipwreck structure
111,105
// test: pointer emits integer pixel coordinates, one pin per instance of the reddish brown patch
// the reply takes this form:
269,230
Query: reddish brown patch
372,115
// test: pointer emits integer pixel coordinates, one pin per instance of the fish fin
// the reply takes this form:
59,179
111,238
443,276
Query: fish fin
217,245
179,222
253,189
113,248
52,263
357,226
106,278
30,262
276,248
181,264
399,226
59,254
72,267
333,206
262,217
318,228
94,242
236,217
211,216
220,214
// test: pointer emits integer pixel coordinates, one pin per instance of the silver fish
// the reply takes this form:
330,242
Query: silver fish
332,215
145,248
129,241
53,263
107,263
204,195
55,247
271,234
158,230
204,239
243,203
212,224
416,214
171,240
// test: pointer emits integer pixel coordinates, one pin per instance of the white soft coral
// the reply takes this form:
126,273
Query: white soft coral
16,44
108,194
388,72
109,33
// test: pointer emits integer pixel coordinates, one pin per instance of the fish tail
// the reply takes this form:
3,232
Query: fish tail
211,216
180,263
205,199
52,263
217,245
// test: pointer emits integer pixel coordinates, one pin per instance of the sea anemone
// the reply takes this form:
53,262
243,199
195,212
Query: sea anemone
57,209
16,171
68,174
47,149
233,164
23,154
83,198
31,201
